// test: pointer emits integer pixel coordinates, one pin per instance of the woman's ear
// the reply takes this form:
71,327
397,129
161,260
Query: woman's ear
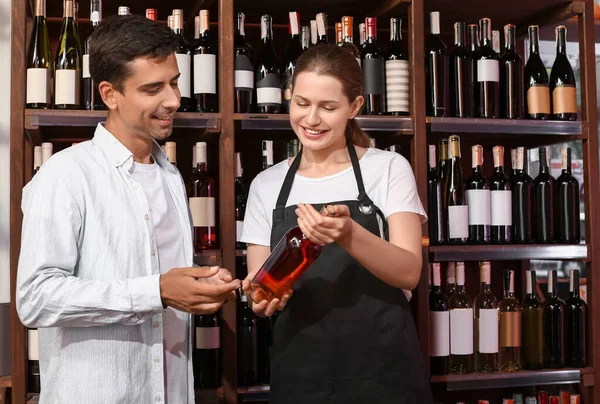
357,104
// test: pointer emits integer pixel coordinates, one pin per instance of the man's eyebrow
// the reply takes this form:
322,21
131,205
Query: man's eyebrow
158,83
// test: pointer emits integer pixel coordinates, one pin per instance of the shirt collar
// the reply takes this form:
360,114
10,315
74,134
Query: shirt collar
117,154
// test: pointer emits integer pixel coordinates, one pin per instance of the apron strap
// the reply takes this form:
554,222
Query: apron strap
288,182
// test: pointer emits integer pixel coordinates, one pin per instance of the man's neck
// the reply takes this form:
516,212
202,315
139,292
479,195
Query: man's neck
140,147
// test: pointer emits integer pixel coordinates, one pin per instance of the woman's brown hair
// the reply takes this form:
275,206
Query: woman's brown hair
331,60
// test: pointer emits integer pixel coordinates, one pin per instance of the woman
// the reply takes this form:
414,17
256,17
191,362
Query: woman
347,334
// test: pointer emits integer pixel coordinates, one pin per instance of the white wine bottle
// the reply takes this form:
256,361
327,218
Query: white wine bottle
461,326
486,323
39,62
509,357
68,63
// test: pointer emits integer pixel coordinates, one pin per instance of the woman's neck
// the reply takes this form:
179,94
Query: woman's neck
329,161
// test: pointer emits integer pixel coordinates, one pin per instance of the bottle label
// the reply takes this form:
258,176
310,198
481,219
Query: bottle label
207,338
510,329
374,75
488,70
538,99
458,222
38,85
461,332
184,82
205,74
32,345
85,71
203,212
268,91
67,87
244,73
239,228
439,335
501,208
397,85
488,330
478,201
564,100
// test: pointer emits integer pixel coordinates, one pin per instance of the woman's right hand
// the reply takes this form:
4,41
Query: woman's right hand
265,308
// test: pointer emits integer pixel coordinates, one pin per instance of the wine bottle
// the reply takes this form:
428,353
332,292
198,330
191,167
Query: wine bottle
511,77
201,194
292,53
47,150
478,200
532,351
450,280
486,323
33,361
456,211
339,36
442,161
37,159
265,341
521,186
348,38
205,68
305,37
124,10
267,154
267,74
509,357
461,83
91,96
313,32
373,67
439,320
554,319
461,326
575,325
434,199
488,74
362,34
67,62
171,152
536,80
543,194
501,200
240,200
247,342
397,72
291,148
183,55
207,373
562,81
322,28
567,189
436,69
151,14
244,69
39,62
473,35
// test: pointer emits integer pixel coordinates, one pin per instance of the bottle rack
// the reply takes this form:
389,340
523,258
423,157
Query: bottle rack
30,127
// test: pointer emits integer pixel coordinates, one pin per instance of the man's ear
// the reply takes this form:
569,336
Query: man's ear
357,104
108,93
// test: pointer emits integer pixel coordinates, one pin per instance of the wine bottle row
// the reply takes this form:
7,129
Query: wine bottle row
487,335
541,395
474,80
499,210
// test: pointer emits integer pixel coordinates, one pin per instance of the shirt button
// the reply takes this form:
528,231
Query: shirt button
157,398
156,360
147,217
153,253
156,324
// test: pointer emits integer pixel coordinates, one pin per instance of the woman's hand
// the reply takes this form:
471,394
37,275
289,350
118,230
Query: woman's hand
265,308
323,230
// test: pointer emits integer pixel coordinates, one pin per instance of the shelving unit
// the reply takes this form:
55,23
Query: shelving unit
30,127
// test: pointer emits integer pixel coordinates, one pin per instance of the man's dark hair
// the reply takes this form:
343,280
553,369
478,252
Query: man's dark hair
119,40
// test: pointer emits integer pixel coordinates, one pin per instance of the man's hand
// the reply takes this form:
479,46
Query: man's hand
197,290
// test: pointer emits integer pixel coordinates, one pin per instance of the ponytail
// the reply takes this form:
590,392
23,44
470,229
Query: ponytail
357,136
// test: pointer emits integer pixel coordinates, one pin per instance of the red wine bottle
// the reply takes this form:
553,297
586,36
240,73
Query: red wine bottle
241,198
554,322
488,74
91,95
397,72
205,68
244,68
436,69
511,77
562,81
292,53
207,372
567,190
201,194
544,187
267,75
478,200
575,325
247,342
434,200
322,28
501,200
461,82
439,320
473,37
537,92
348,38
373,66
521,186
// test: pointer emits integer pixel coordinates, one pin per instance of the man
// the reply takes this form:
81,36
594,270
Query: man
106,267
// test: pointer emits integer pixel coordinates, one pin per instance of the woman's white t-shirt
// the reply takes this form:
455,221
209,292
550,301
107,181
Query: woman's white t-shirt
388,179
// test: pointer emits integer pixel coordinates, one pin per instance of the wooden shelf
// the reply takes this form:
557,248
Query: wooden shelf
524,127
509,252
524,378
36,119
401,125
208,258
5,381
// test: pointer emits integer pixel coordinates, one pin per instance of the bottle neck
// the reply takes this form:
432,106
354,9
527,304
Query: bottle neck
473,38
68,10
459,34
371,36
509,37
239,25
543,161
561,41
486,33
40,8
266,30
201,166
574,283
566,160
534,40
395,30
461,289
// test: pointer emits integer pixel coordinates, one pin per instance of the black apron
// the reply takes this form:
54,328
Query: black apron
345,336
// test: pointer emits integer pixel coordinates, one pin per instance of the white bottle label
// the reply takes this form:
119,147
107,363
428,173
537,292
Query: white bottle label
67,87
85,72
439,335
488,70
501,208
479,204
184,82
239,228
32,345
203,212
244,79
488,330
38,85
268,95
205,74
397,85
458,221
461,332
207,338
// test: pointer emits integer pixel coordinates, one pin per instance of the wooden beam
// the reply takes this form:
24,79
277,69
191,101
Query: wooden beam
551,16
